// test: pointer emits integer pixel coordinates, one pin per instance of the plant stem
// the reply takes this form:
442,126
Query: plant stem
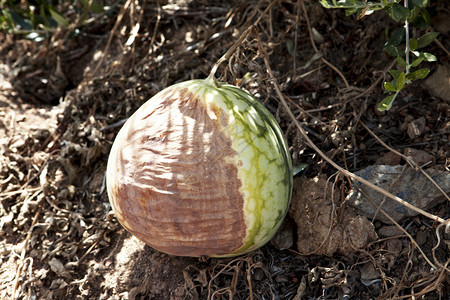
407,40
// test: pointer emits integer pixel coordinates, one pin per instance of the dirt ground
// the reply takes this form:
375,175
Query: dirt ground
63,100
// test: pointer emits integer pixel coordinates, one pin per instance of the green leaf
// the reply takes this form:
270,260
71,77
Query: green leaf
426,16
395,40
415,13
419,74
58,18
325,3
395,73
397,37
412,44
411,76
426,39
428,56
401,61
386,103
392,50
416,62
401,81
398,13
420,3
389,86
23,23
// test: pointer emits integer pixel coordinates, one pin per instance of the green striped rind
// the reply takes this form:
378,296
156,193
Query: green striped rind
263,161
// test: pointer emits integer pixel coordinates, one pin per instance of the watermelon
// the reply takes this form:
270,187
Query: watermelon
201,169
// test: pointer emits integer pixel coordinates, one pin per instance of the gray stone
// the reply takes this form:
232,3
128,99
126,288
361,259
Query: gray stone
402,181
421,237
369,272
438,84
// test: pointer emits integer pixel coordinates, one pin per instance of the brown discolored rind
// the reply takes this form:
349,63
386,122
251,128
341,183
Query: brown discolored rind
169,182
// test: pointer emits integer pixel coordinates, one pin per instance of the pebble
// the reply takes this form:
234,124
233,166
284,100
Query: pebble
389,158
369,272
404,182
420,157
258,274
421,237
394,246
438,84
416,128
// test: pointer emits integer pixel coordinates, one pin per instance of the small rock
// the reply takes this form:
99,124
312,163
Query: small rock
281,279
258,274
421,237
394,246
389,231
416,127
389,158
438,84
420,157
404,182
369,272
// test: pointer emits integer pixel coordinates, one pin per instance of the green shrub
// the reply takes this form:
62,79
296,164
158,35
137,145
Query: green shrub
399,44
